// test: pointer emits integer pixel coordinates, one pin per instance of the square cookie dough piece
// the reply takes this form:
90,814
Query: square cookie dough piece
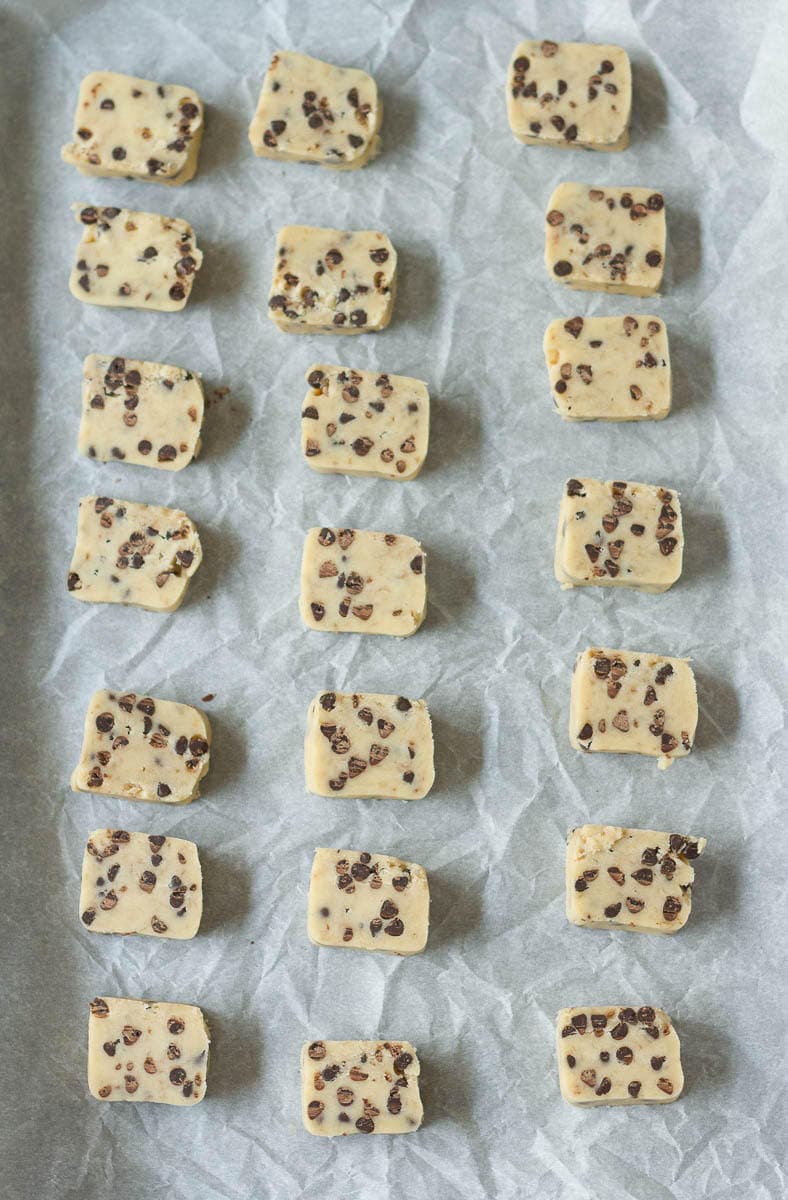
147,1050
130,553
133,128
570,94
332,281
141,748
635,879
613,1055
131,259
618,534
364,422
609,368
608,239
313,112
143,413
362,745
140,883
360,1087
363,581
368,902
633,702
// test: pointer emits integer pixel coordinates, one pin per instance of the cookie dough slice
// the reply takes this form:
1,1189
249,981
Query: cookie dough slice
133,128
570,94
608,239
364,422
147,1050
363,581
332,281
609,368
313,112
368,902
140,883
360,1087
362,745
141,748
618,534
633,702
131,259
636,879
130,553
613,1055
143,413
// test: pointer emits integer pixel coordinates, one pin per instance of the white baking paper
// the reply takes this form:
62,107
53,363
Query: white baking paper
463,202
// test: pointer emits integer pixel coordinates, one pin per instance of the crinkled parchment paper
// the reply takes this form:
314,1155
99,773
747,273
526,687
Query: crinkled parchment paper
463,202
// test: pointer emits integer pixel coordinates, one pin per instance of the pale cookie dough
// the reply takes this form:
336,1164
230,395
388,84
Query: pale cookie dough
364,745
144,413
612,1055
618,534
147,1050
142,748
635,879
364,422
633,702
332,281
131,259
609,368
608,239
140,883
360,1087
130,553
570,94
313,112
368,902
132,128
363,581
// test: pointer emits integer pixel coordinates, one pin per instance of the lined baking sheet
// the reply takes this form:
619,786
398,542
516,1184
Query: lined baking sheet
463,203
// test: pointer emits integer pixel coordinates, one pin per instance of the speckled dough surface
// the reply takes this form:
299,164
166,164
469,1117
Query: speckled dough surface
360,1087
131,259
364,745
131,553
613,1055
363,581
608,239
618,534
570,94
368,902
633,702
311,111
143,413
636,879
142,748
332,281
609,368
133,128
140,883
147,1050
364,422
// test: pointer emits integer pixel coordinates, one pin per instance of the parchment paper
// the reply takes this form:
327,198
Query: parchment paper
464,203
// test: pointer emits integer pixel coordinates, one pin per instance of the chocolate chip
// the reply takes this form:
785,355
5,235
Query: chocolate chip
562,267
